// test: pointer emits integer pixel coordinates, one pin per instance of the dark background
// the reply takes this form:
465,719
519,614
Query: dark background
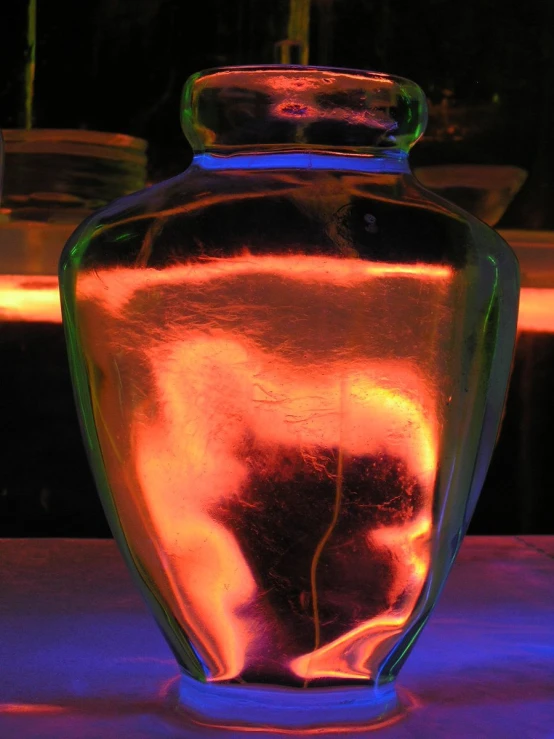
120,65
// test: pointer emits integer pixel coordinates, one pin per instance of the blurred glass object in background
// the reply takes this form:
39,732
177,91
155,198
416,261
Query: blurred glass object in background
53,180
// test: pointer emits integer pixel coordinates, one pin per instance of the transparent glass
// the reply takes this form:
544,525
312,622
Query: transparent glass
291,363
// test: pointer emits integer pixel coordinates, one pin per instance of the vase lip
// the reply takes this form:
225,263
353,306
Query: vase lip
342,109
366,74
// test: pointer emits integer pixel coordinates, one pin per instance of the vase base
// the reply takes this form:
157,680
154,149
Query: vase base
288,709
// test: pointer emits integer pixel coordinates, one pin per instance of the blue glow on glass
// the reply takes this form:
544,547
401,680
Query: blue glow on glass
288,708
392,162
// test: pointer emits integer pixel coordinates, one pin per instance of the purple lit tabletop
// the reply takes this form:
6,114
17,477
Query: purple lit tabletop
80,657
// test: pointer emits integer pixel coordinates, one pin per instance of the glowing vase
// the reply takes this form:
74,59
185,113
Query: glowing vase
291,363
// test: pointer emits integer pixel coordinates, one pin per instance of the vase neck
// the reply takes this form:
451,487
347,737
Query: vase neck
283,109
393,162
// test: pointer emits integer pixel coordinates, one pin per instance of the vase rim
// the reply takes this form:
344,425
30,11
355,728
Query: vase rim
366,74
282,105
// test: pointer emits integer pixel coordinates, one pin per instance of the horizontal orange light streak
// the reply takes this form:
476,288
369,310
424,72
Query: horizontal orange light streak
120,284
30,299
30,708
536,310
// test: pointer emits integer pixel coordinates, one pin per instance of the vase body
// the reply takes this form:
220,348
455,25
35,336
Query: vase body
291,364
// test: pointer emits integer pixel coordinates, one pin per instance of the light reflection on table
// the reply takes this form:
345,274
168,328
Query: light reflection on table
81,657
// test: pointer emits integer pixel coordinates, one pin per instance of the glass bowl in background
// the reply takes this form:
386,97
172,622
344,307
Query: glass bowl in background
53,180
517,495
484,190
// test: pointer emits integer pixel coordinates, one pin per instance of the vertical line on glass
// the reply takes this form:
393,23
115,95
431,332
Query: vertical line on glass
328,533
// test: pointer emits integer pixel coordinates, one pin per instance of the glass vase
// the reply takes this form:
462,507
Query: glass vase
291,363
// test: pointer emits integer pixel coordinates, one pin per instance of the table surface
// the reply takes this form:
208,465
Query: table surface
80,656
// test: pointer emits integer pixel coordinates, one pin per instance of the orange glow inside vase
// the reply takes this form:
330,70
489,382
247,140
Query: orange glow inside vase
235,426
